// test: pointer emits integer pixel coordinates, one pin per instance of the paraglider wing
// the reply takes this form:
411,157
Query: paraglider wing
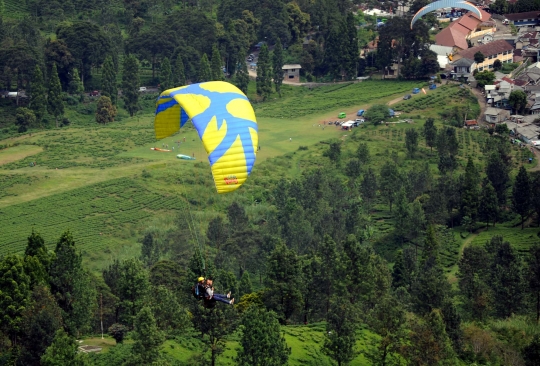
225,121
445,4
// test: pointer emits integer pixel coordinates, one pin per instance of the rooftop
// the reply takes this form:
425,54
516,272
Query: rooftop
291,66
521,16
491,48
451,36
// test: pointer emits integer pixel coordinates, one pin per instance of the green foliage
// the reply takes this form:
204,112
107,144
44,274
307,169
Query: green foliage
241,77
15,285
25,118
334,152
205,71
518,100
484,78
118,332
105,111
261,342
277,65
430,133
179,75
264,73
63,351
216,63
38,96
165,76
133,289
54,98
411,141
377,113
148,338
130,84
340,339
479,57
108,80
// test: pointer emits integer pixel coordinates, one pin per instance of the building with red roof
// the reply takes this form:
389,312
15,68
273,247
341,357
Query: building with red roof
466,27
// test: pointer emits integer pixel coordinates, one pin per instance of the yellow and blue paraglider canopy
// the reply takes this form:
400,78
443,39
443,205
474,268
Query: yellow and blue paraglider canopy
445,4
225,121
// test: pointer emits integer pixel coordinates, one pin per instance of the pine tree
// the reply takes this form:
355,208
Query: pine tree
109,86
130,84
261,342
277,66
217,64
148,338
368,187
169,315
533,277
521,195
470,194
205,72
38,251
75,84
241,78
179,73
352,53
149,250
245,286
430,133
340,337
54,98
264,74
165,76
133,289
14,294
497,173
38,97
411,141
332,51
488,207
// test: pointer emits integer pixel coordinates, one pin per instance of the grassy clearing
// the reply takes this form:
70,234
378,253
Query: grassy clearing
17,153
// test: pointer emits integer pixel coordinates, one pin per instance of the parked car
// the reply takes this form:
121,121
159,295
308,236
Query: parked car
342,115
360,113
416,90
408,96
142,89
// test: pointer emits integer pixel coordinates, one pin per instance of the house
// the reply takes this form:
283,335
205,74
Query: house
291,72
462,68
496,50
527,132
443,54
465,27
496,115
525,19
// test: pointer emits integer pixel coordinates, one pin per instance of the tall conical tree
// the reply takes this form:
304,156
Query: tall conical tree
351,54
217,72
521,194
241,78
488,207
38,97
75,84
205,72
108,80
277,66
130,84
54,99
264,73
165,75
148,338
179,72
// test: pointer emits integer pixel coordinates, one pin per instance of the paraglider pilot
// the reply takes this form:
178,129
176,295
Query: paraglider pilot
211,296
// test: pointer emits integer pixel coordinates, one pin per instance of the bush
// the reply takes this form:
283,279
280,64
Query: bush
71,100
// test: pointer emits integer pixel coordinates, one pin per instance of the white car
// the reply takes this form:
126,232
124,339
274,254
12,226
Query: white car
142,89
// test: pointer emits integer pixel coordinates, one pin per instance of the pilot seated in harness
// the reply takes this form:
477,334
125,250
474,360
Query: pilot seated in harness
204,290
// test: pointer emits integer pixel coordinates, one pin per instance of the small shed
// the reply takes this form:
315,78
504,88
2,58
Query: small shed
496,115
291,72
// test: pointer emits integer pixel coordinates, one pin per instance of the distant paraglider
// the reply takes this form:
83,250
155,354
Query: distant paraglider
445,4
225,121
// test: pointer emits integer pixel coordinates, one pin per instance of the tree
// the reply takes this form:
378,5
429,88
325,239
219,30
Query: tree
105,111
531,353
216,63
521,194
149,250
118,332
148,338
108,80
277,66
411,141
165,76
169,315
245,287
389,182
535,198
70,286
430,133
340,337
54,98
471,274
377,113
63,351
75,84
264,73
505,277
133,289
205,72
479,57
179,73
15,285
518,100
261,342
497,65
368,187
241,78
130,84
498,174
470,195
484,78
488,207
334,152
217,232
24,118
38,96
533,277
362,153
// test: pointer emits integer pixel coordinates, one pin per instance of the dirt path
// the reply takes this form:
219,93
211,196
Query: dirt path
482,101
537,155
452,274
394,101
